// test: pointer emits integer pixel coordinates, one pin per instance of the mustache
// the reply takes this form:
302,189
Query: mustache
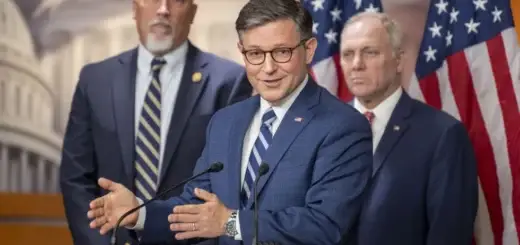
159,22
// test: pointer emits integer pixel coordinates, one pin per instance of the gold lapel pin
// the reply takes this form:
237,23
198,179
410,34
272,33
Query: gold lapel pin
298,119
196,77
396,128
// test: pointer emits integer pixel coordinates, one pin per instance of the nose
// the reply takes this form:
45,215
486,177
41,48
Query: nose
269,65
358,62
163,9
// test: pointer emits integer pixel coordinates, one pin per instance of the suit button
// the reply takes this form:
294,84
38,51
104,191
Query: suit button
127,243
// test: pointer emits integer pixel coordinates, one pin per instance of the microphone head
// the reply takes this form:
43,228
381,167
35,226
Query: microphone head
216,167
263,169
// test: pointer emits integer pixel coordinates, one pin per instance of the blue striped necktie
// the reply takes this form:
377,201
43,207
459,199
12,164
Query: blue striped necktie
257,153
148,141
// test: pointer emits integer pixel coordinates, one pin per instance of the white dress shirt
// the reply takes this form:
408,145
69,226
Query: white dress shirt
170,78
382,113
254,130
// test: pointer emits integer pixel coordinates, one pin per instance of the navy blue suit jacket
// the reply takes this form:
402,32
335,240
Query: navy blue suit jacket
320,164
424,187
99,139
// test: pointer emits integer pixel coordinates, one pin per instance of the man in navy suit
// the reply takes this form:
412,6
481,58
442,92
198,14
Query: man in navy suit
318,149
139,118
424,187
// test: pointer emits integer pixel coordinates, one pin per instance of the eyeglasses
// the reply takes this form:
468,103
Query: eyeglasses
279,55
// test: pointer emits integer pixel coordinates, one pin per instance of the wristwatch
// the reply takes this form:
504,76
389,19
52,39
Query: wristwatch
231,225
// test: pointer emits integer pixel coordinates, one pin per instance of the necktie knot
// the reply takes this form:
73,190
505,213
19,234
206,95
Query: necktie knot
370,116
268,117
157,64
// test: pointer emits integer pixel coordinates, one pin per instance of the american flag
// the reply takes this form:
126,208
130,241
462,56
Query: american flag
328,19
469,66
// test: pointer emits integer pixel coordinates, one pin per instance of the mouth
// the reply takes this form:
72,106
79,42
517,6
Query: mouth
161,29
271,82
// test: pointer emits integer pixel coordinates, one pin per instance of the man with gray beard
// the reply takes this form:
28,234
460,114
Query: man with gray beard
139,118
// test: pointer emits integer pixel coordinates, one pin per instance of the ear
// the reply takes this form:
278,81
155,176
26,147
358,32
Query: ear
310,49
240,47
399,59
135,5
193,12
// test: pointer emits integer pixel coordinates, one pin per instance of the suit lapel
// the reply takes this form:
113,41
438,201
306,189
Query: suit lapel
294,121
236,144
123,95
396,127
187,97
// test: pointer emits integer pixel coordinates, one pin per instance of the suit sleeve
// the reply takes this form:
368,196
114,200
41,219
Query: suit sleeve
342,172
452,197
78,168
156,225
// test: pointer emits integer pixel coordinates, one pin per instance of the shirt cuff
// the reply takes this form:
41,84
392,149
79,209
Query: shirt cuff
239,234
140,218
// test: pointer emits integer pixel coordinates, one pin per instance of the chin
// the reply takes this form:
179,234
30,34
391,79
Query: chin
155,45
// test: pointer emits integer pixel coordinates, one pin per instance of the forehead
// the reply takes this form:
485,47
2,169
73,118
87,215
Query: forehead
277,33
367,31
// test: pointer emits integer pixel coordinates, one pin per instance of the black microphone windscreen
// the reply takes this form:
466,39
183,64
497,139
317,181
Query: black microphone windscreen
216,167
263,169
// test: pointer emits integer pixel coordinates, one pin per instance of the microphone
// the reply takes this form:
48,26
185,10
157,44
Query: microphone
262,170
214,168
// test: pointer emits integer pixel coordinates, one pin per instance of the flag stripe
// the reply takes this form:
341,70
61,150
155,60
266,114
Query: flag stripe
483,232
513,59
343,92
446,94
511,119
469,110
430,89
325,74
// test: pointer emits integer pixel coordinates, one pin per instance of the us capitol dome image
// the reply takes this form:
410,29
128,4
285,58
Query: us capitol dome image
29,144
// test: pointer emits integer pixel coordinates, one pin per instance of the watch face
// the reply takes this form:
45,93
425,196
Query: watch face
231,229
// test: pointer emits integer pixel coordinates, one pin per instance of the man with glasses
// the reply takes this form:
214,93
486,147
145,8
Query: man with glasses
318,149
139,118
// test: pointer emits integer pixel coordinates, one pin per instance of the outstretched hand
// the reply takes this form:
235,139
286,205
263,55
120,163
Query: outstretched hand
106,210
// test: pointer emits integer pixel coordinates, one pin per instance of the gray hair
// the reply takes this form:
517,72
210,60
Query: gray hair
260,12
392,28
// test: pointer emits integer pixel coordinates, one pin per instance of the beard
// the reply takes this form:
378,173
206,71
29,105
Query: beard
159,42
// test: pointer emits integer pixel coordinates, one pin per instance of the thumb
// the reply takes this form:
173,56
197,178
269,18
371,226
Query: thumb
205,195
108,184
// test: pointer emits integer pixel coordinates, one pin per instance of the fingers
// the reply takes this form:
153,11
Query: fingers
187,209
182,218
98,222
106,228
108,184
205,195
188,235
95,213
97,203
184,227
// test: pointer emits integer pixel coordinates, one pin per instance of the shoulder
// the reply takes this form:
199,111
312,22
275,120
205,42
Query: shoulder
340,114
437,126
100,70
433,118
222,68
111,61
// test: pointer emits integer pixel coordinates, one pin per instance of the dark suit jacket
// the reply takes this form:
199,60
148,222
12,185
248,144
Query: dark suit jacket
99,139
320,164
424,188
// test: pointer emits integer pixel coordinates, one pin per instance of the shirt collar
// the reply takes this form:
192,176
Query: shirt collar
173,58
284,106
386,107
